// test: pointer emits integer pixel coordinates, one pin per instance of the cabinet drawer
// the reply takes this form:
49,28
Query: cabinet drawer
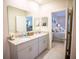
24,45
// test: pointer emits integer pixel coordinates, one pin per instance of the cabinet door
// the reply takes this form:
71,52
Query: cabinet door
41,45
25,53
35,48
43,42
46,41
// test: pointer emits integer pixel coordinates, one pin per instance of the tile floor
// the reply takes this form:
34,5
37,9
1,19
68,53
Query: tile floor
57,52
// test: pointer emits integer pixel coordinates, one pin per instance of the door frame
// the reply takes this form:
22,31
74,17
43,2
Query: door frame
68,41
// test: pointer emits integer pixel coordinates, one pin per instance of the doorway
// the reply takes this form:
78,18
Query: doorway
61,32
59,24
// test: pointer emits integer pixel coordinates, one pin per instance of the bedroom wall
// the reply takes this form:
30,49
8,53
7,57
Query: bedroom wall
61,21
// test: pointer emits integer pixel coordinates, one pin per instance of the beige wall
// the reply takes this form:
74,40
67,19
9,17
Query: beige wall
6,51
55,6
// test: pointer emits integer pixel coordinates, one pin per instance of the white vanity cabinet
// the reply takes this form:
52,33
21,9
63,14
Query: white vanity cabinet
43,43
29,52
28,48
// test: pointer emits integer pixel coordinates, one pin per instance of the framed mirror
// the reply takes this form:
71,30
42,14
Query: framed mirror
44,21
18,20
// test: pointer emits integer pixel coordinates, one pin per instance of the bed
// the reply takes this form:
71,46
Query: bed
59,35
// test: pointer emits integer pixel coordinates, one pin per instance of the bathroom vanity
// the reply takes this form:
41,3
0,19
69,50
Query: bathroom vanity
28,47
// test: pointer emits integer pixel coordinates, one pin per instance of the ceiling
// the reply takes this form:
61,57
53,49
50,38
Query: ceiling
47,1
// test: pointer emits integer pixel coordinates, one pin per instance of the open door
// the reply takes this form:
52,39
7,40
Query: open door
68,33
